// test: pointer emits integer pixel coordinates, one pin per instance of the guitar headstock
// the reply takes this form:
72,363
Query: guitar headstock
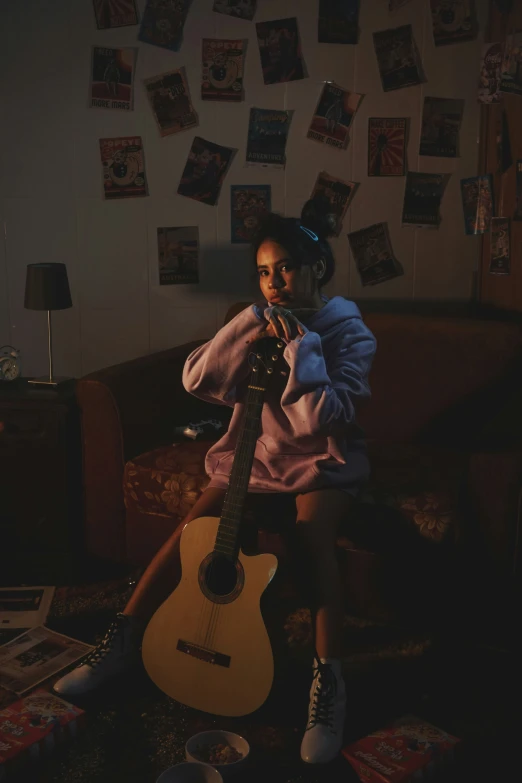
267,359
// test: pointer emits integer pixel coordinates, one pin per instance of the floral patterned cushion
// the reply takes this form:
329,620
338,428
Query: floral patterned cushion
411,487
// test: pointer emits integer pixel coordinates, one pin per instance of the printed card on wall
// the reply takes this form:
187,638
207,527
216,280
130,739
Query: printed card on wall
441,119
373,254
115,13
398,58
499,258
248,203
518,206
511,76
123,167
280,51
422,197
112,78
243,9
453,21
162,24
333,116
222,70
477,203
338,21
490,71
170,101
335,195
387,146
267,135
204,171
178,255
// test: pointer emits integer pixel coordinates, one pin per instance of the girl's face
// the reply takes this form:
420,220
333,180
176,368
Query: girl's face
282,281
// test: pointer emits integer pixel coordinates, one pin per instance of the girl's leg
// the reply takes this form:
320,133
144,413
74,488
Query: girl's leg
164,571
318,516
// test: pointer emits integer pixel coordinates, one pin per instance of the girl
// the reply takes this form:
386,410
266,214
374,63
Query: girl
310,449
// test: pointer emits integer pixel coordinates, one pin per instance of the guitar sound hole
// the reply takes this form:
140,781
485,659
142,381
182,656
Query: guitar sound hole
221,575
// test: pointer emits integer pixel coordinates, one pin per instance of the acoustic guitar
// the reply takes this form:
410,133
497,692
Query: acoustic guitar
207,645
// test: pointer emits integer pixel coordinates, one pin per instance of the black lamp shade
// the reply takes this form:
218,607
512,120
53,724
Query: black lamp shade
47,287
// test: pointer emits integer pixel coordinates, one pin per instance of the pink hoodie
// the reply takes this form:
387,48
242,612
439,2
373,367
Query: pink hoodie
308,437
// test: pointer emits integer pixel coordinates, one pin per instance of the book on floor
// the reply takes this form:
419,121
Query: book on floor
408,749
32,726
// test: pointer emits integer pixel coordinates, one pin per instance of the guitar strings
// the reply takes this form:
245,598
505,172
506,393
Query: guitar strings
243,460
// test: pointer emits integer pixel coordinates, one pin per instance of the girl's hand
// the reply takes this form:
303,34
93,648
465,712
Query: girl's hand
284,324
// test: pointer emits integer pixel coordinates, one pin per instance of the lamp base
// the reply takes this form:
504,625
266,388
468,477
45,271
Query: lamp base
49,382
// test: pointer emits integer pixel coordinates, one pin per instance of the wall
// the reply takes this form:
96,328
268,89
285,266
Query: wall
52,209
504,291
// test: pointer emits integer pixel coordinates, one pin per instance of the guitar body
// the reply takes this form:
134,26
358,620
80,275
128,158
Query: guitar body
207,645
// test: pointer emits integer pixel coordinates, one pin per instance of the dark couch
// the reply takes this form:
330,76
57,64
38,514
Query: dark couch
444,497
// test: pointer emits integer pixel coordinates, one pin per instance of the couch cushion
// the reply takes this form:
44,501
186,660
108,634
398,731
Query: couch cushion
168,480
413,491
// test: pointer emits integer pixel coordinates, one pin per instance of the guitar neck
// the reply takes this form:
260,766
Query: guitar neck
227,539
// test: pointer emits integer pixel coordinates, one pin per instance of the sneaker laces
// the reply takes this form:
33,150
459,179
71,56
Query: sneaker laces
115,631
325,690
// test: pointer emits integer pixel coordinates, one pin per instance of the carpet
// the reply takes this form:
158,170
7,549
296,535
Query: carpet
134,732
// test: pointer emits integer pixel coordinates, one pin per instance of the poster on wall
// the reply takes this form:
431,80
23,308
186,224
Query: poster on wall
338,21
477,203
170,101
123,167
335,195
222,70
243,9
453,21
248,204
204,171
499,252
115,13
162,23
511,75
373,254
422,196
280,51
178,255
387,146
112,78
333,116
518,205
490,71
398,58
441,119
267,136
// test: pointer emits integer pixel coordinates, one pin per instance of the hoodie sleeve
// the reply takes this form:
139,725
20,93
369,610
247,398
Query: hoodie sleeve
320,398
213,371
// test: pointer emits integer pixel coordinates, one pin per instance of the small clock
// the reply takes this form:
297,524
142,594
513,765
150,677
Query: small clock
9,363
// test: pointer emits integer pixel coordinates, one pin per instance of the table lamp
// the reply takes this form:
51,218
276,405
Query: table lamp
47,288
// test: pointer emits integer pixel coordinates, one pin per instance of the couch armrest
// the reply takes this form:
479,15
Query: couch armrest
494,489
126,410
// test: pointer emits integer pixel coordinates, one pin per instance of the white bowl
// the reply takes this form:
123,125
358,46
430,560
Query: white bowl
190,773
216,737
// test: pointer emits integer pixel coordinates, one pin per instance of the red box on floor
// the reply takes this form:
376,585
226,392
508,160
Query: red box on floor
32,726
408,749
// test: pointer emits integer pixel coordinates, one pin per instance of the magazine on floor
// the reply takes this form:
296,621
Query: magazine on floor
36,655
24,607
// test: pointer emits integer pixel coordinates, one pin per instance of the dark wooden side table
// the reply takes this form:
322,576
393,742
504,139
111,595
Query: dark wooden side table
40,484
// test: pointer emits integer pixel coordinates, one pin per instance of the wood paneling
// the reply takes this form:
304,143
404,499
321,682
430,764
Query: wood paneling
504,291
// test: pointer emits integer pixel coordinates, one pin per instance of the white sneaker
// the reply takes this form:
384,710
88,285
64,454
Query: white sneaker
117,653
323,737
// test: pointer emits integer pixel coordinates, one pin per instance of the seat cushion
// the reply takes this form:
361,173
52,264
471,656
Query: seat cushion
413,490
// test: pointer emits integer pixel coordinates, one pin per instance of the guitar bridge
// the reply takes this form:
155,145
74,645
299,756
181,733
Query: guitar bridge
203,653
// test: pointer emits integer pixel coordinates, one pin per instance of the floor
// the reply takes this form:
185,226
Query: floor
134,732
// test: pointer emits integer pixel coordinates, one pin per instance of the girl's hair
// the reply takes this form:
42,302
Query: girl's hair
305,239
